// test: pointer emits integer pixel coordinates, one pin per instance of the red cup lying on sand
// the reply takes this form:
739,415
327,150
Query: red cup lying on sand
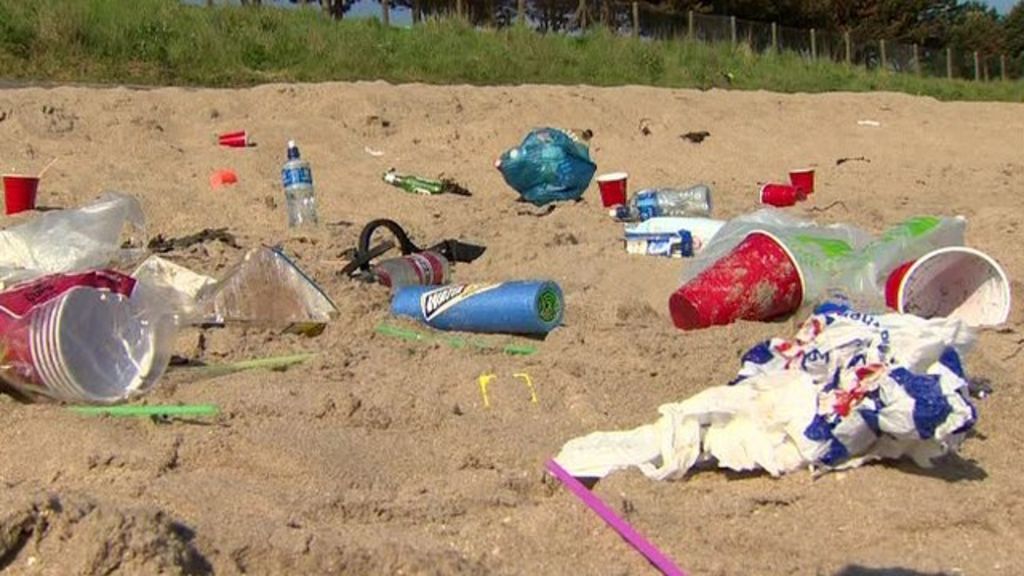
20,192
803,180
613,188
781,195
954,282
758,280
234,139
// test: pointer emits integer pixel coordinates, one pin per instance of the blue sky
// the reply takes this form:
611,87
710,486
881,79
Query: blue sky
1003,6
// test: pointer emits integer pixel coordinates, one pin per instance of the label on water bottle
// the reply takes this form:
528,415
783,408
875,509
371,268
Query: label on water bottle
646,205
296,176
435,302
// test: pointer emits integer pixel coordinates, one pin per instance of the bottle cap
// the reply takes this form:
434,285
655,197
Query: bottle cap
618,212
293,150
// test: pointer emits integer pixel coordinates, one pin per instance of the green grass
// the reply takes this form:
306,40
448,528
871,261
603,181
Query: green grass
164,42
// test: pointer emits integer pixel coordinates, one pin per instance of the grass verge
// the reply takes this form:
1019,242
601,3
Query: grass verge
164,42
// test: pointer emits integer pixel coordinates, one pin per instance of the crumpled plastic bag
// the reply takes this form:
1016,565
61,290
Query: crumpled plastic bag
72,240
847,389
548,166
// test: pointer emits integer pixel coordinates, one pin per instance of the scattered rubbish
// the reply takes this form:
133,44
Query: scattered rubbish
161,245
696,137
645,126
300,199
584,134
424,186
613,188
549,166
512,349
182,285
239,139
841,161
979,388
223,177
849,388
672,237
953,282
830,260
98,337
624,529
523,307
655,202
417,266
872,123
267,289
485,380
803,180
148,411
781,195
372,152
73,240
758,280
20,193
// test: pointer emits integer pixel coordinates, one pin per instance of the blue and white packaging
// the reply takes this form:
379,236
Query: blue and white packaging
669,236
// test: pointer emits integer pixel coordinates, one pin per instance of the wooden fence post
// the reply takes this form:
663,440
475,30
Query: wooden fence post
636,20
732,30
417,15
689,25
521,12
949,63
1002,67
846,41
583,14
814,45
775,37
385,12
977,67
917,59
881,48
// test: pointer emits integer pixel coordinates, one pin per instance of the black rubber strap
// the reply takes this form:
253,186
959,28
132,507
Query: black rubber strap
364,254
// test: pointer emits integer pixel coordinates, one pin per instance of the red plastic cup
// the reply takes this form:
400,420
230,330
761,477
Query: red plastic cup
803,180
613,188
234,139
758,280
954,282
20,193
780,195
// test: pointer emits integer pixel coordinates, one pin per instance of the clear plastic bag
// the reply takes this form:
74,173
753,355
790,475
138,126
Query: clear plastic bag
837,260
548,166
72,240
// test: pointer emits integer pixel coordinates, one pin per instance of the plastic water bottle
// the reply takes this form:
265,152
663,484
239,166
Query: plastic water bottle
297,177
657,202
425,268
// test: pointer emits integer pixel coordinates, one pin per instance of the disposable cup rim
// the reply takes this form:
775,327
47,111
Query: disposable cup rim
613,177
792,258
801,170
961,250
22,176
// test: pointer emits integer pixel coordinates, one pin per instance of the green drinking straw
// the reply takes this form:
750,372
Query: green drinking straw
271,363
512,349
148,411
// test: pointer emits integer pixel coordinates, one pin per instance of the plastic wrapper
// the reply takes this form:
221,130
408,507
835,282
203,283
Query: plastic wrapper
98,337
848,388
267,289
181,286
837,260
73,240
548,166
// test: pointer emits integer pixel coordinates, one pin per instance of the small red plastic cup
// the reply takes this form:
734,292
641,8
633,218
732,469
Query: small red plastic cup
613,188
955,282
20,193
234,139
758,280
780,195
803,180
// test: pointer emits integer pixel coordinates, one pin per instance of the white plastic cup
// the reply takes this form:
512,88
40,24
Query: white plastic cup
954,282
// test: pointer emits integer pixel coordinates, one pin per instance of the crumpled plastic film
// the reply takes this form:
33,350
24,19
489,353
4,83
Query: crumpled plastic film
847,389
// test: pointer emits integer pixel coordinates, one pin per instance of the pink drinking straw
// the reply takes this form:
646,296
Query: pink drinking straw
653,555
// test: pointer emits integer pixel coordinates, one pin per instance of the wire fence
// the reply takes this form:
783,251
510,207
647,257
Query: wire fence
649,21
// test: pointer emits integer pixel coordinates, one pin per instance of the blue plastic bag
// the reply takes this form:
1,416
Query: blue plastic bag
548,166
